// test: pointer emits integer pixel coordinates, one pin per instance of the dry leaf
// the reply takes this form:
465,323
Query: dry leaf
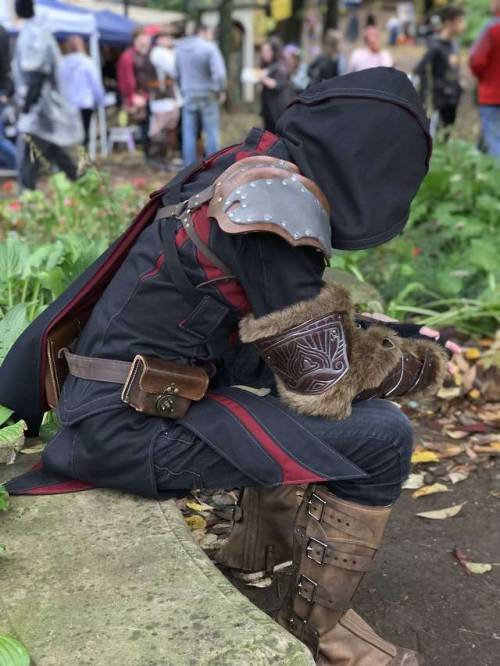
265,582
495,493
440,514
430,490
195,522
424,457
449,393
459,473
414,481
478,567
198,506
492,449
456,434
472,353
474,394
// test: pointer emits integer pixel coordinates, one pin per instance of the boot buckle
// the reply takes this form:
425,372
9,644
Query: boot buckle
316,505
306,588
313,551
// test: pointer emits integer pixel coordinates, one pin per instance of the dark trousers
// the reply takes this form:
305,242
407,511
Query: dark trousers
448,114
86,115
36,152
377,437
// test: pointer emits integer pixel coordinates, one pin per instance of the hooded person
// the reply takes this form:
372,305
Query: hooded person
205,350
48,123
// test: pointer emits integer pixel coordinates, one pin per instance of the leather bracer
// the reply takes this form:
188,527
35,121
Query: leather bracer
421,369
320,358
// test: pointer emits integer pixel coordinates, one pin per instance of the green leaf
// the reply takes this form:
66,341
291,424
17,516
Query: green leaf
11,441
12,652
11,327
5,414
4,498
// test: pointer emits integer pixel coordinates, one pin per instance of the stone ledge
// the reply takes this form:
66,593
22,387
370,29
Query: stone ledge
104,579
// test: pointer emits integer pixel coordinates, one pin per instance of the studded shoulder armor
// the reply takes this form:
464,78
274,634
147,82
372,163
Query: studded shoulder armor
263,193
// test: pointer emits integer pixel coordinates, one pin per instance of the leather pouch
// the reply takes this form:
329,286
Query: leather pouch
60,338
163,388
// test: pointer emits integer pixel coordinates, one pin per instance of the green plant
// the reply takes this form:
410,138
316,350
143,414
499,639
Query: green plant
444,269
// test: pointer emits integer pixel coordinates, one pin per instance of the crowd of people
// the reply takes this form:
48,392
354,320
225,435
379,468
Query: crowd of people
172,89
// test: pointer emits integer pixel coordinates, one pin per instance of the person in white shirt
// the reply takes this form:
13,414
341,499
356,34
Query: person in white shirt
166,98
371,55
81,82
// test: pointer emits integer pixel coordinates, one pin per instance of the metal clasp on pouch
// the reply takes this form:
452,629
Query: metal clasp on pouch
167,400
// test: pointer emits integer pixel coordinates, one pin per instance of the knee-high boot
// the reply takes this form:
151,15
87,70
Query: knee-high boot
262,535
334,545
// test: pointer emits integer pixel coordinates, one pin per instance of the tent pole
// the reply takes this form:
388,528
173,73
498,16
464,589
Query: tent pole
101,111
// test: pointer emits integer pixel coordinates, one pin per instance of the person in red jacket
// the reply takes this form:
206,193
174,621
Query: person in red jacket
134,74
485,65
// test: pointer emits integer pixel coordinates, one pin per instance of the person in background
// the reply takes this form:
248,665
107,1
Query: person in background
166,100
81,83
372,54
201,74
393,27
297,69
439,69
331,62
48,123
7,149
485,65
134,73
276,88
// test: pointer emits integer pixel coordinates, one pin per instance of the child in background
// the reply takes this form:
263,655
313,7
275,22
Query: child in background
439,69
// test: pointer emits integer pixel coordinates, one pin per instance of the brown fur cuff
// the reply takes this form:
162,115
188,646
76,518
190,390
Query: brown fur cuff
332,298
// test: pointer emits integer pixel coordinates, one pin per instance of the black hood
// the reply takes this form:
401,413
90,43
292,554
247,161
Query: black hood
364,139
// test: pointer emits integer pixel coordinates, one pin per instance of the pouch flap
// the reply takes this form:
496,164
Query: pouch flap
157,376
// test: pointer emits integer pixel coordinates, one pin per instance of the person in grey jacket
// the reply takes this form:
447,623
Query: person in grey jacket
48,123
201,73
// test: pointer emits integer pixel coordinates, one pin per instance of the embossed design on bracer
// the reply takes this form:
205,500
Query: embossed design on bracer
258,194
309,358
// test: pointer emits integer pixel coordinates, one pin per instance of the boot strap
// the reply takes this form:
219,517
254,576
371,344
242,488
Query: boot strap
322,553
324,512
314,593
301,629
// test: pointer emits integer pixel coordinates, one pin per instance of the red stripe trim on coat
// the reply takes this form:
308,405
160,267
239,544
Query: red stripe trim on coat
231,290
60,488
291,470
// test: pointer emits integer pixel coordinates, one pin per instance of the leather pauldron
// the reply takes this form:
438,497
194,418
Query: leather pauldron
309,358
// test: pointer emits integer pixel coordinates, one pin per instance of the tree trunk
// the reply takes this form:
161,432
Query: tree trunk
226,40
332,15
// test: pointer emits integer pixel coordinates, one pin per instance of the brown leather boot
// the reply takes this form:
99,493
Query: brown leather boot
334,545
262,535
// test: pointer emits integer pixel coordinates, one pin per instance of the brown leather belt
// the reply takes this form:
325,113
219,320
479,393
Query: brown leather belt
97,369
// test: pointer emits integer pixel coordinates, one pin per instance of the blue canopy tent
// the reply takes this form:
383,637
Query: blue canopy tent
114,29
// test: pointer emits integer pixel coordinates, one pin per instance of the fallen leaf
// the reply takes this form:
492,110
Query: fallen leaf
459,473
198,506
195,522
415,480
472,353
478,567
424,457
474,394
440,514
456,434
492,449
449,393
430,490
265,582
31,450
495,493
462,560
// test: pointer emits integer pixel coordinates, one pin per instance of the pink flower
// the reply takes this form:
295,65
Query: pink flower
15,206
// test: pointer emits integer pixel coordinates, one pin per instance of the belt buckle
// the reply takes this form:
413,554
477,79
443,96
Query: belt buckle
304,582
309,550
322,504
